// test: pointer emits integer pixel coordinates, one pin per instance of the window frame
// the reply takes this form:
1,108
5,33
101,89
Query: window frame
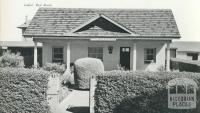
57,60
146,61
95,53
193,55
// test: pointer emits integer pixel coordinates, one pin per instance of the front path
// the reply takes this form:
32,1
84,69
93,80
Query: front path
53,93
76,102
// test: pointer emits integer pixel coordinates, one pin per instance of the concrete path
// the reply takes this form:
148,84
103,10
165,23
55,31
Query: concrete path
53,93
53,85
76,102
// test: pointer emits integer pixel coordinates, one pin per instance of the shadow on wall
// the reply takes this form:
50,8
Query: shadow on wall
79,109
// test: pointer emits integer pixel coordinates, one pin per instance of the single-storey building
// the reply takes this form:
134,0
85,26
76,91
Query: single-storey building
187,50
25,48
135,39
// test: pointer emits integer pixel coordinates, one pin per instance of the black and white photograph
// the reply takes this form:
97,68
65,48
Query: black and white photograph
99,56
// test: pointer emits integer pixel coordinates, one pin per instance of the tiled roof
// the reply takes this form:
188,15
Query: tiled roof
24,25
144,22
186,46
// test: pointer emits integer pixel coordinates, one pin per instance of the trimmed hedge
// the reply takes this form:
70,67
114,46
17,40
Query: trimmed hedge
185,65
188,67
23,90
85,68
137,92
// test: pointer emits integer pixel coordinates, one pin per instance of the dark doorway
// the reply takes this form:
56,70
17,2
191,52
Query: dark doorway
125,57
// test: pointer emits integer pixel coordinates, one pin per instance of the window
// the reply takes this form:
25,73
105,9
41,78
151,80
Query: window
194,56
172,53
149,55
126,49
95,52
57,54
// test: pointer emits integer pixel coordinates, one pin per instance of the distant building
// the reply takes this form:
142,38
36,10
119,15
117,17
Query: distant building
186,50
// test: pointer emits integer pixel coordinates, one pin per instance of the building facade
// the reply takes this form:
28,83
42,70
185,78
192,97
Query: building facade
134,39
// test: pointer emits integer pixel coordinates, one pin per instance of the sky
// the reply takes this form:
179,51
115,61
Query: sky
13,13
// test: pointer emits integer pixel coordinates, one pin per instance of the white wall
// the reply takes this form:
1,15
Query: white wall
160,55
183,55
79,49
199,57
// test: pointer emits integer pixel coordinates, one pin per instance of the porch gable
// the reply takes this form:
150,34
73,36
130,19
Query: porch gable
101,25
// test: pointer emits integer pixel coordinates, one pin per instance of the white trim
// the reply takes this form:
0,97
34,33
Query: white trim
134,52
168,57
84,24
103,16
103,39
35,55
4,47
75,38
68,56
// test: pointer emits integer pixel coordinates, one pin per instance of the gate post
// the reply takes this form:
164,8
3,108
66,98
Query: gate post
93,83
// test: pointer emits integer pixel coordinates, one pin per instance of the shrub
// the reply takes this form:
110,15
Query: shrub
9,59
84,68
55,67
161,68
137,92
188,67
119,67
23,90
67,79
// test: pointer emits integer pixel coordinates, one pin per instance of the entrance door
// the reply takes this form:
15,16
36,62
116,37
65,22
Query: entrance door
125,57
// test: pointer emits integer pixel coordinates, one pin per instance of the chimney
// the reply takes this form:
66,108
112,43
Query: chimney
26,19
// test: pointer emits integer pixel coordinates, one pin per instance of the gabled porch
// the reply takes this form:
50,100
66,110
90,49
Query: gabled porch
103,38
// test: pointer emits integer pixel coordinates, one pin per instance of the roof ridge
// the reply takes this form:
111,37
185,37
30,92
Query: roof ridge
111,9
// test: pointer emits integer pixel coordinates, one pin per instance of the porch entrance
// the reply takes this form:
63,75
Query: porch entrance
125,57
